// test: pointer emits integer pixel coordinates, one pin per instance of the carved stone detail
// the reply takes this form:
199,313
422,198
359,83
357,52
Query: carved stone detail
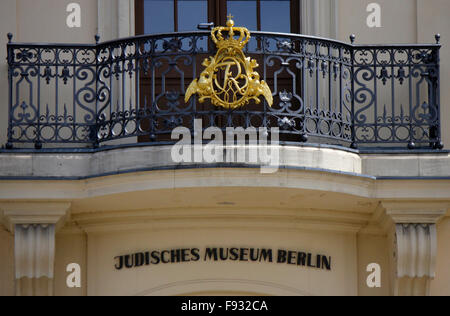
415,245
34,226
416,250
34,259
34,251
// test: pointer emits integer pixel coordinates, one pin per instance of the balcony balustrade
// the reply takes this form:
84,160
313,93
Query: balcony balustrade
325,91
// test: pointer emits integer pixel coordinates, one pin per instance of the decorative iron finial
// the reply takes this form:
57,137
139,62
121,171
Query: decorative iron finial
10,37
352,38
438,38
229,79
97,39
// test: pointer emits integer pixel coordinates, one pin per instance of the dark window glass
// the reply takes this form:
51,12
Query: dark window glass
276,16
244,12
158,16
191,13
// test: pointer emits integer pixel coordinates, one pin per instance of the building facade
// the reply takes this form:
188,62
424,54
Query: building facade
354,199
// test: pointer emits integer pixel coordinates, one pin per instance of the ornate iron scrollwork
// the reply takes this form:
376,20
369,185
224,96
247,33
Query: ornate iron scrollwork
375,96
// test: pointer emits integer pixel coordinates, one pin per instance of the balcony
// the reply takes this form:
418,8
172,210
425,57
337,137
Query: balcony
375,97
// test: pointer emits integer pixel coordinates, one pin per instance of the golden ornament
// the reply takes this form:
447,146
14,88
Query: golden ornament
229,79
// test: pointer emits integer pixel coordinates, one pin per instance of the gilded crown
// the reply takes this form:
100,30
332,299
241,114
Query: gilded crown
217,35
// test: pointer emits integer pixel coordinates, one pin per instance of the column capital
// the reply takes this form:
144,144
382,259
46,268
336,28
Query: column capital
34,213
412,212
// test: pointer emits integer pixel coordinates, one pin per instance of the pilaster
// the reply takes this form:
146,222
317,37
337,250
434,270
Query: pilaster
34,226
319,17
414,245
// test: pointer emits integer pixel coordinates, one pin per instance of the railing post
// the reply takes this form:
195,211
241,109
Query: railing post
95,128
354,145
9,144
437,96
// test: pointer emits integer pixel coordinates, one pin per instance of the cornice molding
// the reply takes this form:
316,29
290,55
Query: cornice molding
248,219
413,212
34,213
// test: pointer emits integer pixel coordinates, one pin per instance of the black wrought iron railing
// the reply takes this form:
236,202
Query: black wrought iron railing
325,91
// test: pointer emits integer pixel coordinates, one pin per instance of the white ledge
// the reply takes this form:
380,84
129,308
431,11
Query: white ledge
126,160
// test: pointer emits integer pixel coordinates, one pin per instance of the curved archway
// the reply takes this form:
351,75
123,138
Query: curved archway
223,287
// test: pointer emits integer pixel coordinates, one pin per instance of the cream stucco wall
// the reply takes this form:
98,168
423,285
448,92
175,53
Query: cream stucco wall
350,256
70,248
171,279
303,207
433,19
398,18
7,24
372,249
441,285
6,263
45,21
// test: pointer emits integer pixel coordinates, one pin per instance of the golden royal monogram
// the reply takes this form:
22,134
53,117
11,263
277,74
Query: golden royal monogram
229,79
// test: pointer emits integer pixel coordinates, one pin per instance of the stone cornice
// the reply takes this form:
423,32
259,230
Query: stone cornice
244,219
412,212
34,213
81,165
